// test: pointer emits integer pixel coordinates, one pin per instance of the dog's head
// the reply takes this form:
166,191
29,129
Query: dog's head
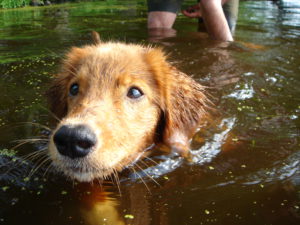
113,101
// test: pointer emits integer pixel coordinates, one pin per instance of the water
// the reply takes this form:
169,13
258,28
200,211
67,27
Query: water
246,162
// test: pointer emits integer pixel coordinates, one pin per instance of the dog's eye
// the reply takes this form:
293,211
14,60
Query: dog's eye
74,89
134,93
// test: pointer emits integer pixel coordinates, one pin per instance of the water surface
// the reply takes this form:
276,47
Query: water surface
246,162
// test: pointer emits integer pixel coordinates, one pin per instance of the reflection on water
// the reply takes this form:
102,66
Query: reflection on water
245,167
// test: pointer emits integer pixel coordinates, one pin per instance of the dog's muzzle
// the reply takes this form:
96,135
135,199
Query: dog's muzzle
74,141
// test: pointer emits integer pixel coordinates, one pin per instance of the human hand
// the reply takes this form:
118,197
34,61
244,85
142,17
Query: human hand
192,11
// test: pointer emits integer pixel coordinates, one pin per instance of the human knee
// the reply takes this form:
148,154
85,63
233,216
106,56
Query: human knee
161,19
162,13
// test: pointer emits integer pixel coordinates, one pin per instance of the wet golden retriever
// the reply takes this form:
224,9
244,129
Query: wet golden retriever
114,100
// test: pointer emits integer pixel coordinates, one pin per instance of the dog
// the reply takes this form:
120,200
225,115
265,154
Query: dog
113,101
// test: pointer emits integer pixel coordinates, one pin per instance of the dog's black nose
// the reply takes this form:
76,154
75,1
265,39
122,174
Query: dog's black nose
74,141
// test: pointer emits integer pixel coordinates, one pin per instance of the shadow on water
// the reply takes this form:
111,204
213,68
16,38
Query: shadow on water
245,167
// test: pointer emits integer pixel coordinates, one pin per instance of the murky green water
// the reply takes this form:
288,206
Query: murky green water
246,168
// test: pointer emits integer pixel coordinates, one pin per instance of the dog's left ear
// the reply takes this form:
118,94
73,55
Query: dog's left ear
185,110
183,103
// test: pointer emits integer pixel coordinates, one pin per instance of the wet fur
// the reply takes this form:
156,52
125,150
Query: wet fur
169,112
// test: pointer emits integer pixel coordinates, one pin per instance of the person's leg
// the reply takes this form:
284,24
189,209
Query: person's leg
231,9
215,20
161,19
162,13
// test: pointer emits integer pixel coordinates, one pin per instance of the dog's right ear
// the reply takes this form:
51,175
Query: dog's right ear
96,37
57,97
57,94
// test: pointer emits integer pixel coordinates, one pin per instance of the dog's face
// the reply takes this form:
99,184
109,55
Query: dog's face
111,99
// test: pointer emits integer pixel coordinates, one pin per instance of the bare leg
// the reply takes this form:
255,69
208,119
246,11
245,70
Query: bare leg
215,21
161,19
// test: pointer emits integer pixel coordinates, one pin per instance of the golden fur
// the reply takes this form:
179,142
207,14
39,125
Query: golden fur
169,111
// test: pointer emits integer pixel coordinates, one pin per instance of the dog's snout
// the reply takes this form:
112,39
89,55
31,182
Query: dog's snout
74,141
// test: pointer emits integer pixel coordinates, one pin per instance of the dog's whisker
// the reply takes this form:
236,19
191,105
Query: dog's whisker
48,169
100,183
51,113
115,173
44,159
27,141
14,164
148,175
20,144
110,177
31,140
92,182
43,163
33,156
148,158
22,124
141,178
52,52
37,125
29,155
20,162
